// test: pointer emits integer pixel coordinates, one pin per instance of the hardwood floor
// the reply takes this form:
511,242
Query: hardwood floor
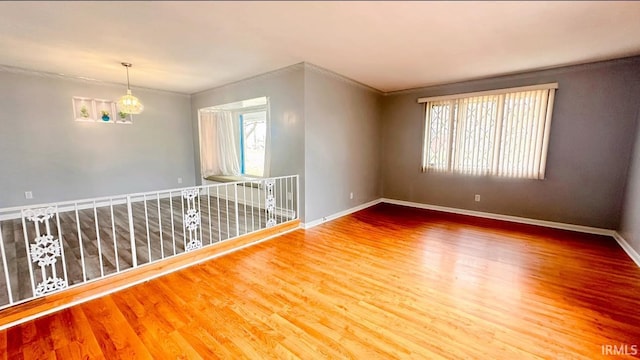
386,282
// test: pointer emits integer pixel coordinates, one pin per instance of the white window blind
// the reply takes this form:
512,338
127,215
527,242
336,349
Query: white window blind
502,133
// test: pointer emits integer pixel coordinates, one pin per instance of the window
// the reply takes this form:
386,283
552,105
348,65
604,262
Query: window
234,138
253,135
501,133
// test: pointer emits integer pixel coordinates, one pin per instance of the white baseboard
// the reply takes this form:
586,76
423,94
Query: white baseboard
516,219
310,224
550,224
633,254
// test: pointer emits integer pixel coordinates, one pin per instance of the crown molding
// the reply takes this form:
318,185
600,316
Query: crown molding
516,75
266,75
520,75
49,75
340,77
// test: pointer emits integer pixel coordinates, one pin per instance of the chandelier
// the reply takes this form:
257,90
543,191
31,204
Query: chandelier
129,104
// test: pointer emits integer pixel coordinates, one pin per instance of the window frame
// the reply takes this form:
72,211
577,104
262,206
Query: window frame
240,114
456,123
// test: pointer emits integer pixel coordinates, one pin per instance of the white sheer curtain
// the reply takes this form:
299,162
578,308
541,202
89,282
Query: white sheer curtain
219,143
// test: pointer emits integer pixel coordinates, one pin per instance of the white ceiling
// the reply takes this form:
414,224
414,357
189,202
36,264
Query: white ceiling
193,46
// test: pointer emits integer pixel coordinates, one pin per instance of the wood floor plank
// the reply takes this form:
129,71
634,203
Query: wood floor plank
83,340
14,343
3,346
40,346
386,282
114,334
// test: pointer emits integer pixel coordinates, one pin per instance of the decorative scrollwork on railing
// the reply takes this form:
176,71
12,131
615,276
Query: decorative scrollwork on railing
192,219
270,202
193,244
45,250
50,284
190,194
39,215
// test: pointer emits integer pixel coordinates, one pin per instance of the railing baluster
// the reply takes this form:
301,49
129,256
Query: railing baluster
281,207
81,246
146,221
26,245
192,218
209,214
297,196
200,215
5,267
38,234
45,249
184,228
95,215
226,195
261,184
160,228
53,265
244,199
173,230
64,259
132,233
218,207
113,234
253,220
286,197
235,190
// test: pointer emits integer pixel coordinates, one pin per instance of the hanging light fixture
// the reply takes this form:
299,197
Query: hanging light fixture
129,104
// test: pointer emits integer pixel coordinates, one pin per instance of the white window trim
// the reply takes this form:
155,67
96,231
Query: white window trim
541,171
489,92
253,109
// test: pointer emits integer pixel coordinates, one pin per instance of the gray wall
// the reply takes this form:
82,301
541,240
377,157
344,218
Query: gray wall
342,138
591,141
42,148
285,89
630,224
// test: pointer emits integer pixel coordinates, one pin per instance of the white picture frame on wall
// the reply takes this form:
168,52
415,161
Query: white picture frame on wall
105,111
128,119
84,109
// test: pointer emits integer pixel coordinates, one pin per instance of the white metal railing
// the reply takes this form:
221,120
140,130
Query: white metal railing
51,247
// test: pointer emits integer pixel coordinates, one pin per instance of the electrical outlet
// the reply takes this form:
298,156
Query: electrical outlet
28,195
477,198
351,195
179,180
